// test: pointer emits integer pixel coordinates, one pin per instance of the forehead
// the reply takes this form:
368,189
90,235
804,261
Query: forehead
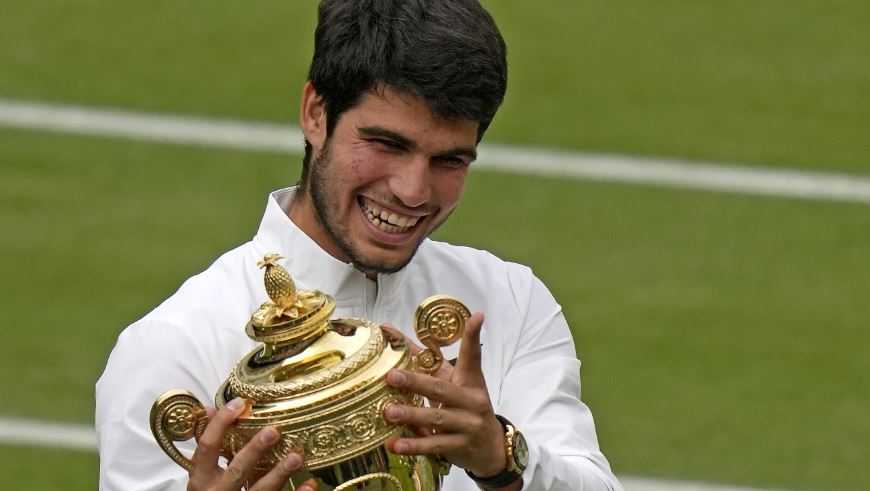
410,116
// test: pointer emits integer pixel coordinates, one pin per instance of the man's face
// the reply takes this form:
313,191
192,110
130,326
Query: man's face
390,173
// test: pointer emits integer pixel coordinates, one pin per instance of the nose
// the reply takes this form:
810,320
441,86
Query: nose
411,182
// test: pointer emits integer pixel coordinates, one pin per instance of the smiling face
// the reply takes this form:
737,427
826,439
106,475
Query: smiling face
388,175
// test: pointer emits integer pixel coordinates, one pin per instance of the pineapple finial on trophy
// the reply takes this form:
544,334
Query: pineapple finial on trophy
281,290
279,284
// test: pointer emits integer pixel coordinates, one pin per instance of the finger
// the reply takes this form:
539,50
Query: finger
419,430
468,369
394,333
416,429
436,388
444,371
277,478
209,413
431,445
309,485
241,468
437,418
208,450
422,430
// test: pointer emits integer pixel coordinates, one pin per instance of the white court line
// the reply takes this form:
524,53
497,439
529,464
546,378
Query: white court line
45,434
25,432
522,160
646,484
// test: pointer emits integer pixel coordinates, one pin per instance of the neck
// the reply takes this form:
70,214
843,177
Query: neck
303,214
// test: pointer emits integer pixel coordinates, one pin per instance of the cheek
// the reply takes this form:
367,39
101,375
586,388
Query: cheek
350,171
365,165
356,167
450,186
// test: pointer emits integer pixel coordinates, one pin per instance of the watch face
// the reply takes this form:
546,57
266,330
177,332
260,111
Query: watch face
521,451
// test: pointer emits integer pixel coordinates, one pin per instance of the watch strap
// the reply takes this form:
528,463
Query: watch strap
510,474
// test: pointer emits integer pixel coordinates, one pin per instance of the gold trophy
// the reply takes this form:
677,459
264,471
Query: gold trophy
320,382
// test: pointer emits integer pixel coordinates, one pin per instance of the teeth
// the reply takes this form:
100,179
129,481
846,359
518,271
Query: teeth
387,221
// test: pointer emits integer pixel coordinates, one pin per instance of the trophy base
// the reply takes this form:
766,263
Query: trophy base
377,470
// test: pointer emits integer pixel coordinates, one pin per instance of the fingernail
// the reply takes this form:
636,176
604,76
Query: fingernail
396,377
236,404
269,436
400,447
293,461
394,412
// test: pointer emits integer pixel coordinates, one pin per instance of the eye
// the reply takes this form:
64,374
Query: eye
452,162
387,144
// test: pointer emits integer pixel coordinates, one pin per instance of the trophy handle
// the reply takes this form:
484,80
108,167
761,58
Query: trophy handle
177,416
428,360
439,321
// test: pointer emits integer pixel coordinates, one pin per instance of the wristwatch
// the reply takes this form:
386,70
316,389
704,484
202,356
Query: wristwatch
517,455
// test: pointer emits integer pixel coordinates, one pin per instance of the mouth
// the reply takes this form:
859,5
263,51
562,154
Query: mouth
388,221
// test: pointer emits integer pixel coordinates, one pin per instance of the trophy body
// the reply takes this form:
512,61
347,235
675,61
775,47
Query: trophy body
321,383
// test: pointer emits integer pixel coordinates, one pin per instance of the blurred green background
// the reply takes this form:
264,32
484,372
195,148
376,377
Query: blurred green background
723,336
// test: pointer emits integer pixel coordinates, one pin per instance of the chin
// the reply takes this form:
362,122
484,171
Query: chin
382,263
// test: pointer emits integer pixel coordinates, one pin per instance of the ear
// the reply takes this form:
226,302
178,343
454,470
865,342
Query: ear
312,117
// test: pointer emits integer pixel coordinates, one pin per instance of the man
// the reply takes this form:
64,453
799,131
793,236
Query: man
400,93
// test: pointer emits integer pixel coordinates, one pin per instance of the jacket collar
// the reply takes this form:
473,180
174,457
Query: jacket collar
311,266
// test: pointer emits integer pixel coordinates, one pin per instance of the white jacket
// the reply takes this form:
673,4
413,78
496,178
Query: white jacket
193,339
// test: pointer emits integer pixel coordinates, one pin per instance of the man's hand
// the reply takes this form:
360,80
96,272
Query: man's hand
463,427
207,475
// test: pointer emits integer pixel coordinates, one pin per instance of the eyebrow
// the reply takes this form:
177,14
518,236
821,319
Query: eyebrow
380,132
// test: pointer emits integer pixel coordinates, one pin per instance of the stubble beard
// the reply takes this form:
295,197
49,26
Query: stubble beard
325,202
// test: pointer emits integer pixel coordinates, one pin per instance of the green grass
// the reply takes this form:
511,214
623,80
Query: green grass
43,469
722,335
774,82
96,234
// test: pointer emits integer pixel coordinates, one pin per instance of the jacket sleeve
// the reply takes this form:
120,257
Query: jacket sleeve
148,359
540,393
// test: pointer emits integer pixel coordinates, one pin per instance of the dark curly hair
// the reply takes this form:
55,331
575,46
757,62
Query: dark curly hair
448,52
